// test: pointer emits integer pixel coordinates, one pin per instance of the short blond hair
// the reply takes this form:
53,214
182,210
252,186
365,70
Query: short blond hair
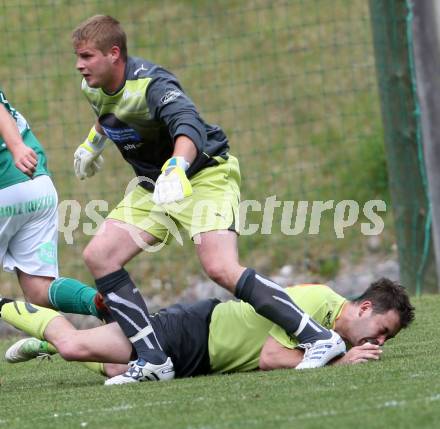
104,32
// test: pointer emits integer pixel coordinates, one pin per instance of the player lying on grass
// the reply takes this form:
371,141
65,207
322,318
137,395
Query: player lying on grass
214,337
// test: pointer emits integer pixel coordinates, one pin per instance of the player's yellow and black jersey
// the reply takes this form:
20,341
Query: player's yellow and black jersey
212,337
144,117
9,174
237,333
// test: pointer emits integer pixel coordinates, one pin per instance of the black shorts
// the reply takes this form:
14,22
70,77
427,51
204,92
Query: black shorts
183,331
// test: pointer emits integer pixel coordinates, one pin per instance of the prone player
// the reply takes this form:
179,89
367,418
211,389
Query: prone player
214,337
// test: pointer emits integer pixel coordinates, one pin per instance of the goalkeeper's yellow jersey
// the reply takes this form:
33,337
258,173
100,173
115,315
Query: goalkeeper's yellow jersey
237,333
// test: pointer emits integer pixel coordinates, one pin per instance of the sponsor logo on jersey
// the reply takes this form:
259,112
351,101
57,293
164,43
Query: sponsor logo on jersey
328,318
170,96
130,146
125,137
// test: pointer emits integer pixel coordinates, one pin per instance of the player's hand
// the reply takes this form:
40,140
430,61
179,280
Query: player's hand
361,354
86,163
25,159
87,159
172,185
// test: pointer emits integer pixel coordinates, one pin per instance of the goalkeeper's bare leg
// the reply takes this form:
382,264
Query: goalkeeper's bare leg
218,254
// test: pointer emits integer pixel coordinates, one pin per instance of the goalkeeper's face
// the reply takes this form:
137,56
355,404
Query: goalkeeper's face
97,67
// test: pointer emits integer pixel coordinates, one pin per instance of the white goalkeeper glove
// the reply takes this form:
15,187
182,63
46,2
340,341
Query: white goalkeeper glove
87,159
172,185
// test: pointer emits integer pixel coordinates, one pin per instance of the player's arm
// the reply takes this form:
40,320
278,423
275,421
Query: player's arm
25,158
98,128
359,354
280,349
87,159
276,356
169,104
186,148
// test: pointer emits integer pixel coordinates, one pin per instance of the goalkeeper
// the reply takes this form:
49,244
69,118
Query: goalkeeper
187,178
29,221
213,337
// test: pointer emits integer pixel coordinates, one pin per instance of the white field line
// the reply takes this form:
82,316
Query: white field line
305,416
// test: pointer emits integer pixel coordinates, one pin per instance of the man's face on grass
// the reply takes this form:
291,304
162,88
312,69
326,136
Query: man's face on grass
373,327
96,67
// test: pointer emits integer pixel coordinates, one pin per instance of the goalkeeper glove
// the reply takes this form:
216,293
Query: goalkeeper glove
172,185
87,159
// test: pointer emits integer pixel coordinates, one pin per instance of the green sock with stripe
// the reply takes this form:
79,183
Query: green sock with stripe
72,296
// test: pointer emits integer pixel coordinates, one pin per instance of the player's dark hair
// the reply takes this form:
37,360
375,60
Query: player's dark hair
386,295
104,31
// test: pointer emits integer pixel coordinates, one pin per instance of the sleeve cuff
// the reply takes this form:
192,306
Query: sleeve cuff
192,133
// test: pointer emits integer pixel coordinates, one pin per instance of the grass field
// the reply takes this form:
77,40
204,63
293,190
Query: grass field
400,391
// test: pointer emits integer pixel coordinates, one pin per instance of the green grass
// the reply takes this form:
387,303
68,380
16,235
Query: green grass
400,391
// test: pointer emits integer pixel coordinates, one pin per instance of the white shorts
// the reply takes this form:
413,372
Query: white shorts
29,227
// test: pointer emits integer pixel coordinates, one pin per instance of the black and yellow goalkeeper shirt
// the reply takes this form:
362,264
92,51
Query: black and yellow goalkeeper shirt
145,116
237,333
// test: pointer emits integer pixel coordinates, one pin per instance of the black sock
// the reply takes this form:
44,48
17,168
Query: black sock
128,308
271,301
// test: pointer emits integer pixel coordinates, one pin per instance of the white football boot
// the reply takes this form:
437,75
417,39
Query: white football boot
140,370
321,352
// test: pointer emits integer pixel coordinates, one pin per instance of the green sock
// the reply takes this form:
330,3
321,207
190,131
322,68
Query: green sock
72,296
46,347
